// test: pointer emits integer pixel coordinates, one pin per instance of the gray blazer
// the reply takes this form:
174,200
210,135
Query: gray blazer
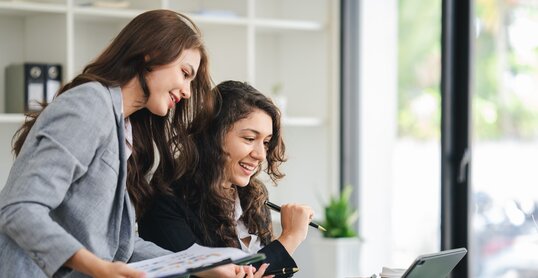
66,189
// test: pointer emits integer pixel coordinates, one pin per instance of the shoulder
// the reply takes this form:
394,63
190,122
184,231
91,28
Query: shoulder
90,94
89,105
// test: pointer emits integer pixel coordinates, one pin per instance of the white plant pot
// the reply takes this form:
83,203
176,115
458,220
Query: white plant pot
336,257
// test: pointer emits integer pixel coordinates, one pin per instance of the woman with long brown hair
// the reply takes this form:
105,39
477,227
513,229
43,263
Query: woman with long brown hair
220,201
67,207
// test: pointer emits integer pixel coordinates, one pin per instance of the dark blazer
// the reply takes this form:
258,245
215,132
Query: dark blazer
171,224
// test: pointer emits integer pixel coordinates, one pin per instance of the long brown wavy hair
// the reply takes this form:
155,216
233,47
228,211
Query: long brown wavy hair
161,35
202,185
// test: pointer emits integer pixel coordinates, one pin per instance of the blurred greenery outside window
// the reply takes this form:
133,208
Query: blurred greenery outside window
506,69
419,69
505,85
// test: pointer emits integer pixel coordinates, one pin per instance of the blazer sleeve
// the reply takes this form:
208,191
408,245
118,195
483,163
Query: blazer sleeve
56,153
276,256
167,224
144,250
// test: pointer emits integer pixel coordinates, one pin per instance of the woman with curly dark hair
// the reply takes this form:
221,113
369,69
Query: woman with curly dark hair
220,201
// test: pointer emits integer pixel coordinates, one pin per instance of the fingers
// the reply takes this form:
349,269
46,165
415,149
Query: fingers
133,273
246,271
123,270
297,212
249,272
261,271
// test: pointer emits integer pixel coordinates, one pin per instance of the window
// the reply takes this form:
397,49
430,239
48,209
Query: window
400,108
505,140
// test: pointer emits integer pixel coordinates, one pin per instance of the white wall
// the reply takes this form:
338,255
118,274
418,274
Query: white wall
6,156
378,100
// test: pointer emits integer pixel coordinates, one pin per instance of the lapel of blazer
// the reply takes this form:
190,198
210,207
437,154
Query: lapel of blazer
124,203
115,93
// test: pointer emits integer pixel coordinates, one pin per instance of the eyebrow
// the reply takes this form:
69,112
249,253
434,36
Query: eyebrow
255,131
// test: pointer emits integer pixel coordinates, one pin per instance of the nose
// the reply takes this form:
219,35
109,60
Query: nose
259,152
185,91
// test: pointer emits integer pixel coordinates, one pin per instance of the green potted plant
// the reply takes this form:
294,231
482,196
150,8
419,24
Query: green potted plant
339,247
340,216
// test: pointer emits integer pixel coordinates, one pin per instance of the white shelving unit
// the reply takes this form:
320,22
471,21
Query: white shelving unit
294,44
11,118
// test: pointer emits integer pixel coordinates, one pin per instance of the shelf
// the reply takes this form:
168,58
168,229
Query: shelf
281,24
286,121
301,121
218,20
30,8
95,13
6,118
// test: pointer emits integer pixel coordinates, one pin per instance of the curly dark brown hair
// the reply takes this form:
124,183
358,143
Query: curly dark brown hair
202,185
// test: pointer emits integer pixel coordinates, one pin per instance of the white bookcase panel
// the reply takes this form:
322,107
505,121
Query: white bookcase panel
226,47
213,8
87,45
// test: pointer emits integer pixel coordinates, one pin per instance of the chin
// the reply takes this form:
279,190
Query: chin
159,112
242,183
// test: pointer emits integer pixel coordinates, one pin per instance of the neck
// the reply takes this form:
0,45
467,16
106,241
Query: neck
229,188
133,97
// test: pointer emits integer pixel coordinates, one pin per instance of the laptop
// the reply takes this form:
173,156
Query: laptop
435,265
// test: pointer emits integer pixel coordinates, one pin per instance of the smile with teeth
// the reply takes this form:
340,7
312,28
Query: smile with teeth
248,167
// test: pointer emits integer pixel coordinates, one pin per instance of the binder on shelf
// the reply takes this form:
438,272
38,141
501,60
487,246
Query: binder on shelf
53,79
30,84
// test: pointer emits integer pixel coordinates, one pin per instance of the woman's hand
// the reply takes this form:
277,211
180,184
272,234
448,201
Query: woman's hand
234,271
294,219
119,270
250,272
86,262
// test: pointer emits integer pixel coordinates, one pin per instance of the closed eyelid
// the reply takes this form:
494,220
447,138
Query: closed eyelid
190,71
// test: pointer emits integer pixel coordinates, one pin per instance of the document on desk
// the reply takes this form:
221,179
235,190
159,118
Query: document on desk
195,259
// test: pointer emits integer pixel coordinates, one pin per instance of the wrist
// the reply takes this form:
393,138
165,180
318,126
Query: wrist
86,262
97,268
290,242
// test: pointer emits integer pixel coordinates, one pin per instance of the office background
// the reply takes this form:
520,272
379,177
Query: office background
295,51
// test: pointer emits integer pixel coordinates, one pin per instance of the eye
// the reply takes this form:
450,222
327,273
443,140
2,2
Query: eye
249,139
266,145
185,74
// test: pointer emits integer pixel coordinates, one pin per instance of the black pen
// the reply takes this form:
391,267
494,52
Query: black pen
277,208
282,271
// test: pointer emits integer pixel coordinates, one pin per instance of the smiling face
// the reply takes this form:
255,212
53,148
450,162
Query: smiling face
170,83
246,145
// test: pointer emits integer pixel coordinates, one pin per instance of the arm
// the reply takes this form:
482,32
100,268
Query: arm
86,262
144,250
56,153
294,219
276,256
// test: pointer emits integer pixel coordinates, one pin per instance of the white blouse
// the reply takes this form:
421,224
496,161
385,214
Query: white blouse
128,138
242,231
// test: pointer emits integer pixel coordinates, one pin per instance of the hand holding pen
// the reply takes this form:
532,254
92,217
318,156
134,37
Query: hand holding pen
294,219
277,209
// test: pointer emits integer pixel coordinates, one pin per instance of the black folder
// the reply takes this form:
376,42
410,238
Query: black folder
30,84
